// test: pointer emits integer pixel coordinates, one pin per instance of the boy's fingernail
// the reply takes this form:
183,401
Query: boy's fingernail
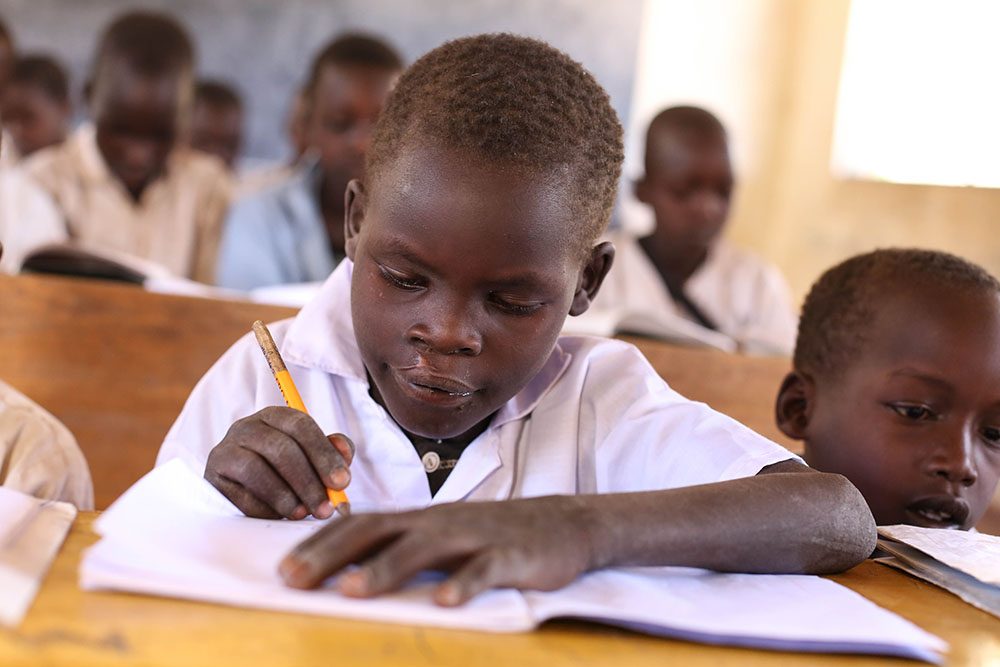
448,595
300,512
353,584
291,569
324,510
340,478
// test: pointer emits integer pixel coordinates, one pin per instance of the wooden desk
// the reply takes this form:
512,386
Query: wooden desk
66,626
112,362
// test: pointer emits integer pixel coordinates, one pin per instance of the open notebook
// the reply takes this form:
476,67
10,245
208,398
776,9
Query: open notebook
172,534
964,563
31,531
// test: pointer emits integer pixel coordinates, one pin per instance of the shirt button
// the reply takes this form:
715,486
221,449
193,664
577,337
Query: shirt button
431,461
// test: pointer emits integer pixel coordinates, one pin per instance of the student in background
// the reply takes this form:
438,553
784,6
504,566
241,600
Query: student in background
294,233
257,179
684,275
896,384
435,347
124,182
8,154
35,104
217,121
28,217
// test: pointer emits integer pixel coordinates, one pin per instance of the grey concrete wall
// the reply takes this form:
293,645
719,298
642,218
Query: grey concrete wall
264,46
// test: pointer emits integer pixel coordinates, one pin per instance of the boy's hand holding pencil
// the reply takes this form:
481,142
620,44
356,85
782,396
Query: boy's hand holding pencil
278,462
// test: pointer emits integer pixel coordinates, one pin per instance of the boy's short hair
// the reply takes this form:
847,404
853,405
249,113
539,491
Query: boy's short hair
515,101
842,303
152,43
44,73
695,120
216,94
353,50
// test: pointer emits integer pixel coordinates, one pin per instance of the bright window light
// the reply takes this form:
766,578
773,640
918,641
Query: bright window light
919,98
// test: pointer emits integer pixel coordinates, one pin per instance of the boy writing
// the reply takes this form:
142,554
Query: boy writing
35,104
684,276
436,347
294,233
125,182
896,384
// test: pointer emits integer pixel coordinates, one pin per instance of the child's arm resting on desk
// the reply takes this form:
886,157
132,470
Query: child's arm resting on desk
786,519
270,460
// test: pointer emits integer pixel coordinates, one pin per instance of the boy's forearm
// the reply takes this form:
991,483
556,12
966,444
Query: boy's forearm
781,522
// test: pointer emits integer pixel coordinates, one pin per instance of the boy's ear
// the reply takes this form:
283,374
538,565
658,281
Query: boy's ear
794,406
355,202
591,277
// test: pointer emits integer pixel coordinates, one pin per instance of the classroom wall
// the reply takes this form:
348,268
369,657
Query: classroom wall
265,46
792,211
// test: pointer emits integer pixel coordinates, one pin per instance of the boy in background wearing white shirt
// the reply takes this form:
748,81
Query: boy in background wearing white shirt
683,280
896,384
474,232
125,182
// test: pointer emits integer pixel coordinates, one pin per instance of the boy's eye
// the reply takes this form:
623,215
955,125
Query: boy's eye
992,434
912,411
513,307
399,281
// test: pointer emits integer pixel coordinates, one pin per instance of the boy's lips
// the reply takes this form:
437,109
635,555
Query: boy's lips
435,389
942,511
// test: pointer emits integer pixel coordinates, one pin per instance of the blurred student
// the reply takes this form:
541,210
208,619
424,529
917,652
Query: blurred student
35,104
28,217
896,384
257,179
8,154
684,276
217,121
294,233
124,182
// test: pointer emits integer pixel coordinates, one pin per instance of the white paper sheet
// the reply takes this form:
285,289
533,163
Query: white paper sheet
173,535
31,531
973,553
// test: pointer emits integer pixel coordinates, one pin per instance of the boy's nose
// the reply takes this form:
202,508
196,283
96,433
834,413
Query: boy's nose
953,460
447,331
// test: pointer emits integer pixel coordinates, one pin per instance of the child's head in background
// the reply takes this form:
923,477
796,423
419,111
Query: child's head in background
140,94
7,54
35,104
688,183
897,384
491,175
347,86
217,121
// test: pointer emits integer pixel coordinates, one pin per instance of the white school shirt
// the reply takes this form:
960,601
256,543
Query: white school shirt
746,298
28,219
596,419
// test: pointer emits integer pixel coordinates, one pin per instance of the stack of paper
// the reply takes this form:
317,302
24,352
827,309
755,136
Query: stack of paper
965,563
31,531
172,534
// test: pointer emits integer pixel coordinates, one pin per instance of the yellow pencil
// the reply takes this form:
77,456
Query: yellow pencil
281,375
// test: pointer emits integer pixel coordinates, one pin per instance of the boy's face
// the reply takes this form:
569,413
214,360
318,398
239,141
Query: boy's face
33,119
344,107
137,118
914,421
463,276
217,130
688,185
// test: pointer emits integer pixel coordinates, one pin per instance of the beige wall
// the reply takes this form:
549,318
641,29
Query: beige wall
792,211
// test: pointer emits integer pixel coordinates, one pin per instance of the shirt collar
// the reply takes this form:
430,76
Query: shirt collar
322,337
95,168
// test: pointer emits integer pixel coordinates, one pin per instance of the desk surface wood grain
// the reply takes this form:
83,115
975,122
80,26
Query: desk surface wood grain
67,626
112,362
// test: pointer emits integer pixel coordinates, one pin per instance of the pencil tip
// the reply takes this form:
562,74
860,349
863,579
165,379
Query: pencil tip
344,509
